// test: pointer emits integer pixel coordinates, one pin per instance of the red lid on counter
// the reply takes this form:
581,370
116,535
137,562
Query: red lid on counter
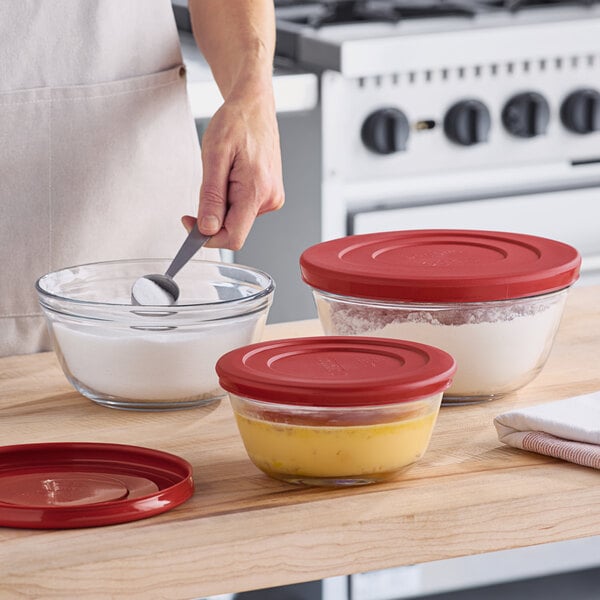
332,371
440,265
79,484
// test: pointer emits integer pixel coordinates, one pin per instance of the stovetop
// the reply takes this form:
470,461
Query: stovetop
316,14
307,28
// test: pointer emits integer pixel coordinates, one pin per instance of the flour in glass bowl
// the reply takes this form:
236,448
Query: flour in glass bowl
498,346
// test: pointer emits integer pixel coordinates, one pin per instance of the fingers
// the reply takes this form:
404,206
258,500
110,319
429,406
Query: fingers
188,222
238,222
244,205
273,202
220,240
234,232
239,219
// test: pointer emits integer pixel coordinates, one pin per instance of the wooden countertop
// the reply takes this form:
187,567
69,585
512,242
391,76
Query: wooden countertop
241,530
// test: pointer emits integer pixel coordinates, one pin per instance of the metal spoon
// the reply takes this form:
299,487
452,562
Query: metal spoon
161,290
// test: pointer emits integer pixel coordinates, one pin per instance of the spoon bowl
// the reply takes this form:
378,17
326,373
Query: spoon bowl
162,290
154,289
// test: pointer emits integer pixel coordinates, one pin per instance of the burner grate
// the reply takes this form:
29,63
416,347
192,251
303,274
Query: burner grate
341,12
353,11
515,5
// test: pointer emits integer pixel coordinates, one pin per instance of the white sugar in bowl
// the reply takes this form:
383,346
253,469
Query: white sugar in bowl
151,357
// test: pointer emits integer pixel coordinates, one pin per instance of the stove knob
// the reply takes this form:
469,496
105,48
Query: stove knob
580,111
385,131
526,115
467,122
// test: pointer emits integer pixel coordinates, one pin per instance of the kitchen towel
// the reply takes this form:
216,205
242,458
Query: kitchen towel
567,429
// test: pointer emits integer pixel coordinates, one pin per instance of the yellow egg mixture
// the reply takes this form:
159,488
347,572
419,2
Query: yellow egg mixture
324,451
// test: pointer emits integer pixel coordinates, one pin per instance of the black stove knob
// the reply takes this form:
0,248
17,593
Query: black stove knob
468,122
385,131
526,115
580,111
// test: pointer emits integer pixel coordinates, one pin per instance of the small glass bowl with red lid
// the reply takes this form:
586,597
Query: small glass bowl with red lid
335,411
493,300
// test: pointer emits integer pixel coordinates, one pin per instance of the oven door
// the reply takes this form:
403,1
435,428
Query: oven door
571,216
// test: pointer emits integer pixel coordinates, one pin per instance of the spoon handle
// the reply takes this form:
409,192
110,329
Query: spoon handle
194,241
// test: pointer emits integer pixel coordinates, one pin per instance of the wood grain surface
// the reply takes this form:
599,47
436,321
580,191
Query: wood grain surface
241,530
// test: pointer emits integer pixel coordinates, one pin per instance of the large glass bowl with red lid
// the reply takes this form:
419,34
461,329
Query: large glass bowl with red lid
335,411
493,300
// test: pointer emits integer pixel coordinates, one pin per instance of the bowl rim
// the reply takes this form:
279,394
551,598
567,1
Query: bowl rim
416,305
264,292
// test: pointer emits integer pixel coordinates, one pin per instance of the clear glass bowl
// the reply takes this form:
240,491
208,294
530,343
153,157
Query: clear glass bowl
499,346
335,446
144,357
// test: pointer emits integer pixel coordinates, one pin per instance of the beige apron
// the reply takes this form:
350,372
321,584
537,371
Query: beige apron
99,155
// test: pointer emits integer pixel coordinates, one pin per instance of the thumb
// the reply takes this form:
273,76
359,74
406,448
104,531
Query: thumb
213,196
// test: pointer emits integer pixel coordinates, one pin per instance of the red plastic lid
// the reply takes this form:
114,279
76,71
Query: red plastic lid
78,484
440,265
333,371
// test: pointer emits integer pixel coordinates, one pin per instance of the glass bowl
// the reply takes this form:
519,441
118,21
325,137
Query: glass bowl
151,358
493,300
335,411
499,346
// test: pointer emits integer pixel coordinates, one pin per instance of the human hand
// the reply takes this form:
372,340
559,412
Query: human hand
241,161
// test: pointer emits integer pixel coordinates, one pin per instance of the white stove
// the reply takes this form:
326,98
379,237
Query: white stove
487,89
440,113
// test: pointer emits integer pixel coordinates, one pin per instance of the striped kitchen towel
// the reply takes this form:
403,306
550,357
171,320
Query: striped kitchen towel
567,429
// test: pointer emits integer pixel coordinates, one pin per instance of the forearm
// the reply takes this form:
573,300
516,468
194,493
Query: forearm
241,159
237,38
